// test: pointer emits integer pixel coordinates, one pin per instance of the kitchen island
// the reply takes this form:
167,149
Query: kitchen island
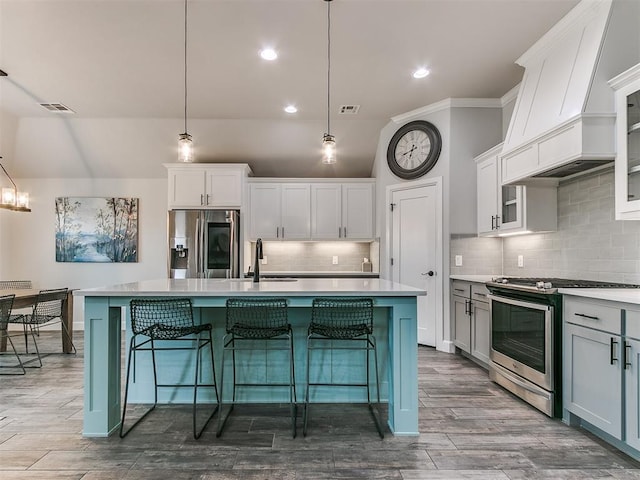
395,328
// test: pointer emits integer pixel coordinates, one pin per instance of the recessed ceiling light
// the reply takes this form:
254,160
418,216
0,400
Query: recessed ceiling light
290,109
269,54
421,73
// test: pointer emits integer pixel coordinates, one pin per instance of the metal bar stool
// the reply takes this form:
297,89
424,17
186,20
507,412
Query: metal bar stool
342,324
6,304
262,319
161,320
48,310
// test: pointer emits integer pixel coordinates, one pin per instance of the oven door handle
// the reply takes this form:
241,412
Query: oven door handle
520,303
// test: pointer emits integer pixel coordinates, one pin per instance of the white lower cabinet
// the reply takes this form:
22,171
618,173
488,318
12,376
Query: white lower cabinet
593,387
480,323
602,368
471,319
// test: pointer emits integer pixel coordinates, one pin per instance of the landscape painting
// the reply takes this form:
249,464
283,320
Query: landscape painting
96,229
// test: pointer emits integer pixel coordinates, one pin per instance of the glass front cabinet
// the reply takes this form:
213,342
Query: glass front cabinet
627,165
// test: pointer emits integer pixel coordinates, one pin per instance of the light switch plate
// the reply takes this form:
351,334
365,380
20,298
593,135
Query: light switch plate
520,261
335,260
263,261
458,260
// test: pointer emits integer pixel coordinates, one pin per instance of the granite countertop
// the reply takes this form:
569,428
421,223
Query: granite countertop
474,278
626,295
201,287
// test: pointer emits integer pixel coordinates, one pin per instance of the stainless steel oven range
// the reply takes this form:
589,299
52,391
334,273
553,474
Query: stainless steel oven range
526,337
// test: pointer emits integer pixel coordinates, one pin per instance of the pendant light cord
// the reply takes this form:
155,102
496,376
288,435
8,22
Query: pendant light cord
185,66
328,65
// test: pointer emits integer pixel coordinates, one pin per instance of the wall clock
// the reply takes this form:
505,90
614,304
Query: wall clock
414,149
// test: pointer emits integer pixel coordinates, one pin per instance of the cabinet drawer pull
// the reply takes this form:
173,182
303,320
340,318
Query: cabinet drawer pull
282,232
626,356
497,222
614,342
459,290
277,232
493,222
339,232
344,229
201,199
480,294
590,317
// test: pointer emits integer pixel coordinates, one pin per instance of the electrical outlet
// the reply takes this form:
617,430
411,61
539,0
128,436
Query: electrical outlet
458,260
520,261
335,260
264,260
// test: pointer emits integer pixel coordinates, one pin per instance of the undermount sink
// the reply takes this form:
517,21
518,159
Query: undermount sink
265,280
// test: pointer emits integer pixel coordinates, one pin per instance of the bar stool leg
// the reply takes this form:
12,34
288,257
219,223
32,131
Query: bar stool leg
197,433
222,418
371,345
293,399
305,413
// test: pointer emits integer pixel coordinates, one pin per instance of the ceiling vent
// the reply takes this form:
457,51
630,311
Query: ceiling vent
349,109
56,107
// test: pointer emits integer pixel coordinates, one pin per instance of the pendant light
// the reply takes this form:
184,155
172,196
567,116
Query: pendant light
328,140
185,142
11,198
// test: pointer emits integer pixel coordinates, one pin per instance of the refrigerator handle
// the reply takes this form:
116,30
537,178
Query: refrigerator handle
234,247
198,245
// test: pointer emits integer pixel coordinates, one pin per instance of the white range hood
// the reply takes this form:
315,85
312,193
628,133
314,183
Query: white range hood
564,118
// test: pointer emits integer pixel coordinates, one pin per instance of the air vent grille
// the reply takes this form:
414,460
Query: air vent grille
349,109
56,107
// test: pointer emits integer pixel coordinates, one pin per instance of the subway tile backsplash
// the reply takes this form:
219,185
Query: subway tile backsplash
317,256
589,244
480,255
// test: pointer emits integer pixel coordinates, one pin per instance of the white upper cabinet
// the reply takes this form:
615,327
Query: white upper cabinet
326,208
357,210
342,211
510,209
206,185
287,210
627,169
279,211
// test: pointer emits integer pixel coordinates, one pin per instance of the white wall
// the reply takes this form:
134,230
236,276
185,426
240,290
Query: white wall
29,238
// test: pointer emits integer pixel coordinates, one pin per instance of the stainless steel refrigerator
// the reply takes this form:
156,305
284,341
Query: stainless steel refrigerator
204,243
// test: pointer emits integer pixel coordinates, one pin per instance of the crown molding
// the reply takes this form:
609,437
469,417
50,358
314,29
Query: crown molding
444,105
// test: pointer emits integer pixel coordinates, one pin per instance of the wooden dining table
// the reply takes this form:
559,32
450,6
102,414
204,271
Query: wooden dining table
27,298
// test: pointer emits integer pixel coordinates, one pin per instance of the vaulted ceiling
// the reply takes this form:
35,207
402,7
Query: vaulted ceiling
118,64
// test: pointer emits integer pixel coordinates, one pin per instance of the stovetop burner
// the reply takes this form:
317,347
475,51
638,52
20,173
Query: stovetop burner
551,285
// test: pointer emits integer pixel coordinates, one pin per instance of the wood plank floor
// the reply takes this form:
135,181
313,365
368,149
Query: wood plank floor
471,429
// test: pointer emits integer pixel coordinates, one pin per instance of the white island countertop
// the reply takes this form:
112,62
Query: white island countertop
625,295
211,287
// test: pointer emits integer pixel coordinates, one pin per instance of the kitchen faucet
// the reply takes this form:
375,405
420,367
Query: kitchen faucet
258,257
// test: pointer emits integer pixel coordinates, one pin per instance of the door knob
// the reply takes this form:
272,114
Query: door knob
431,273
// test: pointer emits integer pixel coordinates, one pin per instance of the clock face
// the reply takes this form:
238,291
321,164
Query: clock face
414,149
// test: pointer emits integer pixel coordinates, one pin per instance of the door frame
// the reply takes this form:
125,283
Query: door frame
411,185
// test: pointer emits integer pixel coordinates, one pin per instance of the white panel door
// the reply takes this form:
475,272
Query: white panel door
296,211
326,211
414,244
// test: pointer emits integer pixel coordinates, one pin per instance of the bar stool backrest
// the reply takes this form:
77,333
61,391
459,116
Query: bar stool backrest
170,312
6,303
15,284
343,316
49,304
248,314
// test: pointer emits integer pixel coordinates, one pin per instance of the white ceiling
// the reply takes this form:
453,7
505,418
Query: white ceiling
119,65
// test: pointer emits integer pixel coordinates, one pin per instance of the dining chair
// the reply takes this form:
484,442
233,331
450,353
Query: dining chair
6,304
47,310
342,324
168,324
